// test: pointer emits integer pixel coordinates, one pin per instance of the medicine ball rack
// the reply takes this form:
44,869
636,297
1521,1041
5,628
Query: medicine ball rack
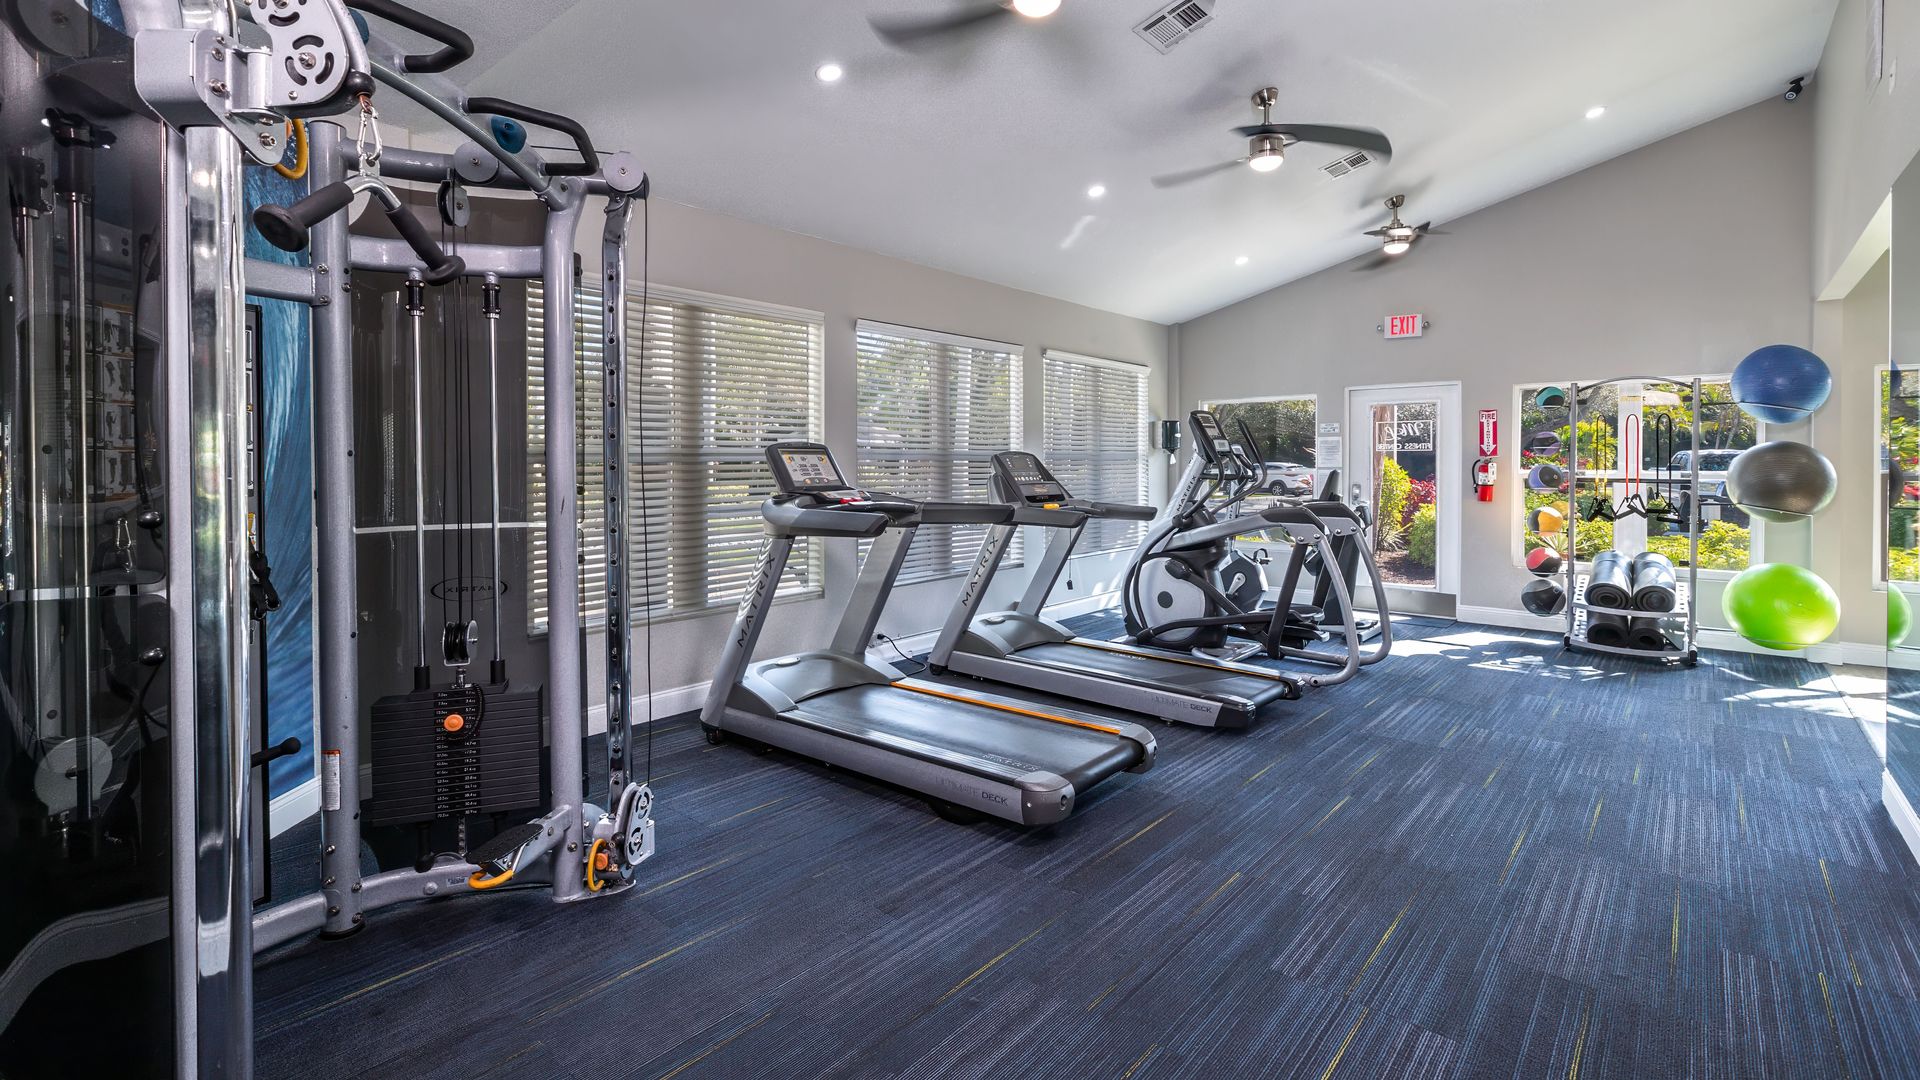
1681,625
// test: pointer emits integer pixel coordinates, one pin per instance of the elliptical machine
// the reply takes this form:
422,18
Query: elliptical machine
1191,587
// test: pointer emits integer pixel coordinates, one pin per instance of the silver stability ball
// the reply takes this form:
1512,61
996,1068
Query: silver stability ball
1782,481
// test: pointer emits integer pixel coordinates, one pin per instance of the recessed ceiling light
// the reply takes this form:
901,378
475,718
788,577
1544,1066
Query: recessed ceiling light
1596,112
1036,9
829,72
1241,261
1096,191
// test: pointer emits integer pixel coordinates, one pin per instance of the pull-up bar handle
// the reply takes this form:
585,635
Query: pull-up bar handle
457,46
589,162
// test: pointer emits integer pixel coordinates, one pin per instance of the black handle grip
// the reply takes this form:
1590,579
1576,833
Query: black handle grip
441,267
278,750
459,46
285,227
1124,511
589,162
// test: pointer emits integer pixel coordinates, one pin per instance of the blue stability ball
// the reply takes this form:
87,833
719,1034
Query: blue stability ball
1781,384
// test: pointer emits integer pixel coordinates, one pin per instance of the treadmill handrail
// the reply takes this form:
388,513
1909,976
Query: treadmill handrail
936,512
1124,511
786,515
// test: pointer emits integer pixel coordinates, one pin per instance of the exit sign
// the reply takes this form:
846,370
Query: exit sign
1405,326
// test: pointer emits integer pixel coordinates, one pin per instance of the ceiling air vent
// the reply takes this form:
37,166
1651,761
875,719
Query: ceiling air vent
1175,23
1341,166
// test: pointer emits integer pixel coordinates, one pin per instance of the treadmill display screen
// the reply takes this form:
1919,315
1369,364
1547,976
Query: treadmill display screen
1030,478
807,471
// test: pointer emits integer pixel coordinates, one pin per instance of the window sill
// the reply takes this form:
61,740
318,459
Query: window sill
539,631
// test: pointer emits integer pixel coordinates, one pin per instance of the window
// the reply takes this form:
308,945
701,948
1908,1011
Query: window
1095,413
719,380
1657,419
1287,430
934,409
1899,450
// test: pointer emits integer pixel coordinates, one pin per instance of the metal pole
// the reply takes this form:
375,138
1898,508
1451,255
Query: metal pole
213,943
336,556
567,711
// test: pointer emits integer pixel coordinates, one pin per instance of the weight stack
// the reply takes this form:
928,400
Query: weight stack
423,771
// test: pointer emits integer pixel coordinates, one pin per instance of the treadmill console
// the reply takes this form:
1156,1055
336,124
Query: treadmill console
809,469
1019,477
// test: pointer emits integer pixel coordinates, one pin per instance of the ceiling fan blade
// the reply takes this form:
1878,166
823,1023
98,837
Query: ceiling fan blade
1175,179
1377,262
1375,232
1429,230
1373,142
912,32
1250,130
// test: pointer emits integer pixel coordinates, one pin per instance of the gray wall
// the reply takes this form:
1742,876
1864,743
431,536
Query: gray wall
709,252
1862,141
1679,258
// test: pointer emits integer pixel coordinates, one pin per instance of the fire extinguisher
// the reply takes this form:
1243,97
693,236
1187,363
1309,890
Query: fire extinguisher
1487,466
1484,471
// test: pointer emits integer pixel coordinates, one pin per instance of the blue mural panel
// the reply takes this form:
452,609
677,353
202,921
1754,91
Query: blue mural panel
287,389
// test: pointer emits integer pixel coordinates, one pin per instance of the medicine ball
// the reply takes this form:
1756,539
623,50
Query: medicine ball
1547,476
1543,597
1543,561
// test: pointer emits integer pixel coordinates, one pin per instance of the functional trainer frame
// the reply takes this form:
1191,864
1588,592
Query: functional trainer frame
222,99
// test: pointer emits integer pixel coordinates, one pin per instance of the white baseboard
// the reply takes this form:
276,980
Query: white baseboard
1901,811
293,807
1830,652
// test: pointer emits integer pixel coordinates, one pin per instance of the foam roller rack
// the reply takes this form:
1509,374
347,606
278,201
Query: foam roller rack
1677,649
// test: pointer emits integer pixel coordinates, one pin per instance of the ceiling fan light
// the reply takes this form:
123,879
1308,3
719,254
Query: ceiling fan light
1036,9
1266,153
1396,246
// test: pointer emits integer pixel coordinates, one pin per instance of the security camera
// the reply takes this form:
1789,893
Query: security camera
1796,88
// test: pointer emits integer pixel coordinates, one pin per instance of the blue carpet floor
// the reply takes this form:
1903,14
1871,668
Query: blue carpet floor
1480,859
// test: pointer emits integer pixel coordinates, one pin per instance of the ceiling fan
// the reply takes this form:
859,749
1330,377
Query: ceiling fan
1267,142
1396,237
924,31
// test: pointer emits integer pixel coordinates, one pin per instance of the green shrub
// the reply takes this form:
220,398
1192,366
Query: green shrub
1421,535
1723,546
1903,564
1390,509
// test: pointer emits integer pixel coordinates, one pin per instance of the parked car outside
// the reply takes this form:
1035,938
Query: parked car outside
1286,478
1714,503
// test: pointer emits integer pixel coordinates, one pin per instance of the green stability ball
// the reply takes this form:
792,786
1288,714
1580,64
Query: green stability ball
1781,606
1899,617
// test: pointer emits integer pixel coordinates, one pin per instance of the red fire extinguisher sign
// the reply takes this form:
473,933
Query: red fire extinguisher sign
1489,432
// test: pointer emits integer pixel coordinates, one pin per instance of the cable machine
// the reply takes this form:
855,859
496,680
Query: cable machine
170,512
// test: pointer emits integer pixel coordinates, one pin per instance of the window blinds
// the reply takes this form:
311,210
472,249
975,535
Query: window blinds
934,409
1096,438
718,381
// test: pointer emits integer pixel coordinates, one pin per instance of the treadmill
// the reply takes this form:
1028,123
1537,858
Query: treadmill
969,753
1022,648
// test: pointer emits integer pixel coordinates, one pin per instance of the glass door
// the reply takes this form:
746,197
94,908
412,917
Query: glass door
1404,464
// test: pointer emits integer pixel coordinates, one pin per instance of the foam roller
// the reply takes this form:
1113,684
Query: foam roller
1611,584
1654,584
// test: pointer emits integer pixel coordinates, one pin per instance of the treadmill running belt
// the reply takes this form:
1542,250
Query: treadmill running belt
1082,755
1196,677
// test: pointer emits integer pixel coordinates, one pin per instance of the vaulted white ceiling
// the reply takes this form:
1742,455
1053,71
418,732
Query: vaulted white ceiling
978,159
